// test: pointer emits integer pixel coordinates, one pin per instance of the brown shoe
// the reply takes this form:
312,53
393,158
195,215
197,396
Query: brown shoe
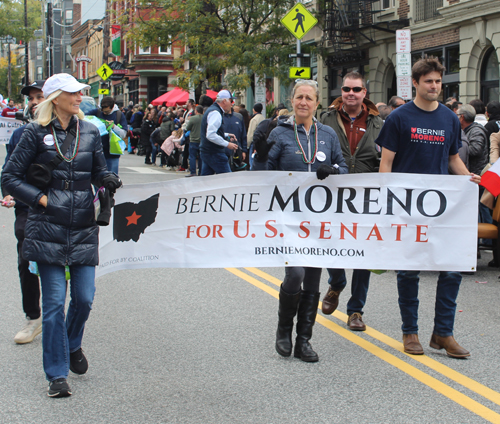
330,301
412,345
355,322
452,348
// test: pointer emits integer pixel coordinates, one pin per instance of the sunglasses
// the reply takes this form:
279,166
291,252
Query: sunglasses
355,89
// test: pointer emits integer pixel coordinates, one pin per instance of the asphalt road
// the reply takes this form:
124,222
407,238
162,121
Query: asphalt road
197,346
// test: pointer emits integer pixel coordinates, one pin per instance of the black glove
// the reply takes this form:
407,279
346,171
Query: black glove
324,170
112,182
107,202
263,147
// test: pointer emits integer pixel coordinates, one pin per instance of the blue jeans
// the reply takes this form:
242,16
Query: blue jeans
194,152
214,163
444,311
154,152
113,163
60,336
359,287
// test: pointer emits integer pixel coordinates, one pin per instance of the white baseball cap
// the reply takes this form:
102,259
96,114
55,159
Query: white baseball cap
224,94
64,82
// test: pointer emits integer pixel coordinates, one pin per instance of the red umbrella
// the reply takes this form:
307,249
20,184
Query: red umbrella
170,97
180,99
212,94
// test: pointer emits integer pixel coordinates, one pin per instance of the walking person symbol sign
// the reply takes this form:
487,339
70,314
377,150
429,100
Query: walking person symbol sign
299,21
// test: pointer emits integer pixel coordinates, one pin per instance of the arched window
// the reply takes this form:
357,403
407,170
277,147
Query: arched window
490,74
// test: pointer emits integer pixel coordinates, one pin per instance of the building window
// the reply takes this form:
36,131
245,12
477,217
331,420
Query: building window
427,9
68,21
489,77
39,73
165,49
452,60
145,50
449,56
387,4
133,90
39,49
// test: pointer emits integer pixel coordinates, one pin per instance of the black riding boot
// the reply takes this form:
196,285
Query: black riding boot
306,317
286,312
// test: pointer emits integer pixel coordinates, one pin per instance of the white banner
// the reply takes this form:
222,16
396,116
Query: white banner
7,127
268,219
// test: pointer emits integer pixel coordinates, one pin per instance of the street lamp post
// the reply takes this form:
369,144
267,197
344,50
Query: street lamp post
26,48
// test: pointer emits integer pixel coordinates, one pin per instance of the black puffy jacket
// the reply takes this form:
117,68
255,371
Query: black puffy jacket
65,232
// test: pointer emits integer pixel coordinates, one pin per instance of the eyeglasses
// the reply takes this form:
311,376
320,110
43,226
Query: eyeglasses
355,89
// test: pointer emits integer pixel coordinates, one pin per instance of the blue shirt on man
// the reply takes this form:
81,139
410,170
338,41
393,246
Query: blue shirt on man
422,140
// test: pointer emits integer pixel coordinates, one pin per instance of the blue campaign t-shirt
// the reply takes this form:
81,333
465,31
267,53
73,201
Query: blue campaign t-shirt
422,141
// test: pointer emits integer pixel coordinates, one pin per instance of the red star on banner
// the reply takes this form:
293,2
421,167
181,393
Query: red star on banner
132,219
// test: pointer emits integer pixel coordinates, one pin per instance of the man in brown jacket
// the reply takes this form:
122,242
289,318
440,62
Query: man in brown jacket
357,124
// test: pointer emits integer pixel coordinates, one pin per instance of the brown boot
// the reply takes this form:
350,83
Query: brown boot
412,345
448,343
330,301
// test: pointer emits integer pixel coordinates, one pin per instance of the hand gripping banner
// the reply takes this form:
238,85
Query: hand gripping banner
267,219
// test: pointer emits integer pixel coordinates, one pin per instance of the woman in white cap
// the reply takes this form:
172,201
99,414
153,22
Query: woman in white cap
300,143
61,229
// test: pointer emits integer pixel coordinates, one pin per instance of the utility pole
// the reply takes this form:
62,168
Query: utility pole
50,32
26,48
105,44
9,73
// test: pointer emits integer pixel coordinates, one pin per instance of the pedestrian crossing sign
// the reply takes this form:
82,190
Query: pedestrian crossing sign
299,21
104,72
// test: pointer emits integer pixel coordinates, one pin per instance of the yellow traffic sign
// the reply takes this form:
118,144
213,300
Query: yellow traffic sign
103,91
299,21
304,73
104,72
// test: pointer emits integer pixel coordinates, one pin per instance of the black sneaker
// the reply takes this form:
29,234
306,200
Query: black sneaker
77,362
59,388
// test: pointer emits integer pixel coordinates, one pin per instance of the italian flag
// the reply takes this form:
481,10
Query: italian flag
491,179
116,40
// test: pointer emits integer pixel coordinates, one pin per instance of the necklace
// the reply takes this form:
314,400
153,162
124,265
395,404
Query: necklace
304,157
77,144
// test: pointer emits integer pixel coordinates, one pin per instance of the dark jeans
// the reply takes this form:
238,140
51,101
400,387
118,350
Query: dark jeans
185,155
444,311
214,163
194,153
30,286
359,287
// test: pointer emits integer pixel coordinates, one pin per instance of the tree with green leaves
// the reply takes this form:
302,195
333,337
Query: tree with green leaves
234,38
12,19
12,24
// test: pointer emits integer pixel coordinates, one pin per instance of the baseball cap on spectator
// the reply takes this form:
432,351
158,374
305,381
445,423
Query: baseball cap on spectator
64,82
224,94
38,84
257,107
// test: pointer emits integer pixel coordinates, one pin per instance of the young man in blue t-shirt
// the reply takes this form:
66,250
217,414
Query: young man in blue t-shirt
423,137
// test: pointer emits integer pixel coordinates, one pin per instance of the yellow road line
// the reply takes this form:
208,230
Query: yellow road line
437,366
421,376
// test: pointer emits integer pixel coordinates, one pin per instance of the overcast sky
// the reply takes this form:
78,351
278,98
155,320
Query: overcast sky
92,9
